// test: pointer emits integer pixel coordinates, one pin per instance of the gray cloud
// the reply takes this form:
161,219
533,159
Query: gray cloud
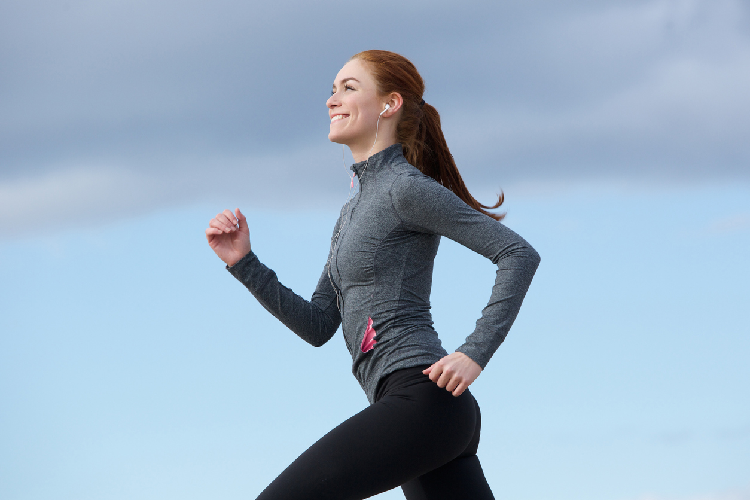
140,104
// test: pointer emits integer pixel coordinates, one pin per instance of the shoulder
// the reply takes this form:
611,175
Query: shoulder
414,192
420,201
410,184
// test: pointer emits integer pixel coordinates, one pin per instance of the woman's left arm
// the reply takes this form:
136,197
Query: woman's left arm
427,206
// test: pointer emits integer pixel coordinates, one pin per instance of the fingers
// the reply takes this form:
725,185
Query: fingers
241,220
229,218
460,389
220,225
453,384
434,371
213,231
439,374
445,379
454,373
224,222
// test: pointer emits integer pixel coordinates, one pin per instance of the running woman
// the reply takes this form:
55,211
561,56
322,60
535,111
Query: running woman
421,429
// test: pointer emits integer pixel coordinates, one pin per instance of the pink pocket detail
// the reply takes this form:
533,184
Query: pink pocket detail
368,341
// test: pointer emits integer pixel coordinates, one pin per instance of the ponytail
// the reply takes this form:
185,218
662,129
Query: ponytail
429,152
419,130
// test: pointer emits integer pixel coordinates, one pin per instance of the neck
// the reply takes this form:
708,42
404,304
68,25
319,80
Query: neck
385,136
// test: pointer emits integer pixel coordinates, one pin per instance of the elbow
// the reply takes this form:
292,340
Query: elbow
523,254
323,337
318,342
534,257
319,326
529,254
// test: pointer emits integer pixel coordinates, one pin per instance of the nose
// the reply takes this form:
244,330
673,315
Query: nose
332,101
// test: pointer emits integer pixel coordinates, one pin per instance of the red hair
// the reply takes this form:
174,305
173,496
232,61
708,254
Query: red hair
419,130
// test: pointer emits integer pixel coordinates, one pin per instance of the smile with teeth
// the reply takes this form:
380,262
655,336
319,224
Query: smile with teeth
338,117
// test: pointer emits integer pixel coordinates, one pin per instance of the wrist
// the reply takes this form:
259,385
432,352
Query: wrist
232,263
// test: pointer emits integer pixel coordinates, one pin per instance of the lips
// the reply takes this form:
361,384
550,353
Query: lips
336,118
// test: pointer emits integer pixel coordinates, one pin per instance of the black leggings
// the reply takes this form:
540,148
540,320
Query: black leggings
417,436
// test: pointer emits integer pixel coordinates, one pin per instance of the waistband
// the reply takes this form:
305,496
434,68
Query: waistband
398,379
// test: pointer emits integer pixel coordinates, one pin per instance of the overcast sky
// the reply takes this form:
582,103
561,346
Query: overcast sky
118,107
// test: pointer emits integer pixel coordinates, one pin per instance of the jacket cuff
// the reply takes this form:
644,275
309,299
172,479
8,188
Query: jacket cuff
478,356
242,266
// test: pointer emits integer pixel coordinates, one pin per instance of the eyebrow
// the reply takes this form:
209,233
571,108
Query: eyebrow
346,80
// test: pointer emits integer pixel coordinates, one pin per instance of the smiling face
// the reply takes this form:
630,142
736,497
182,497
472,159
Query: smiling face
354,107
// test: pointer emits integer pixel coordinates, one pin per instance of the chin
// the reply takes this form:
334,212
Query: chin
333,137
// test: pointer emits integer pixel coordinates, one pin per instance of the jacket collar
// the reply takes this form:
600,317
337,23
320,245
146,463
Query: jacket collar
378,160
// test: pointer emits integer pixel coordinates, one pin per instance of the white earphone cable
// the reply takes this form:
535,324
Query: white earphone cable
335,239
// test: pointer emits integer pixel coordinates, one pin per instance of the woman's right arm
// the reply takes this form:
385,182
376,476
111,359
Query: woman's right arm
315,321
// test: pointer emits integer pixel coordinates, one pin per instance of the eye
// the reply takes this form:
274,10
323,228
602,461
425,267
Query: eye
346,87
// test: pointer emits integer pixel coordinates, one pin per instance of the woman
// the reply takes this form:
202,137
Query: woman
421,429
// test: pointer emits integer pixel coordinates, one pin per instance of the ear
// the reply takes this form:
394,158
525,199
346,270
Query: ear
395,101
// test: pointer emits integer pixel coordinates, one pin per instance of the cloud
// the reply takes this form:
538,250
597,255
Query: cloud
158,97
82,196
90,194
650,90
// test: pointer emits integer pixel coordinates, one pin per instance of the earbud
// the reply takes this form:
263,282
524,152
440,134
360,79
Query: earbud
387,107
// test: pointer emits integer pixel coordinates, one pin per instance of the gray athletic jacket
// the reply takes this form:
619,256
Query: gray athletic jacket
378,277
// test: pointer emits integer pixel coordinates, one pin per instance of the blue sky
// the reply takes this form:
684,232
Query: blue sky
133,366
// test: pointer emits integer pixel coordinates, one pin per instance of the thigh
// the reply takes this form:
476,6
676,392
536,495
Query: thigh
459,479
406,434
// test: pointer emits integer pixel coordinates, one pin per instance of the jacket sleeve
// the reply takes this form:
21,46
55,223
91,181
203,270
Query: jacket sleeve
426,206
315,321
